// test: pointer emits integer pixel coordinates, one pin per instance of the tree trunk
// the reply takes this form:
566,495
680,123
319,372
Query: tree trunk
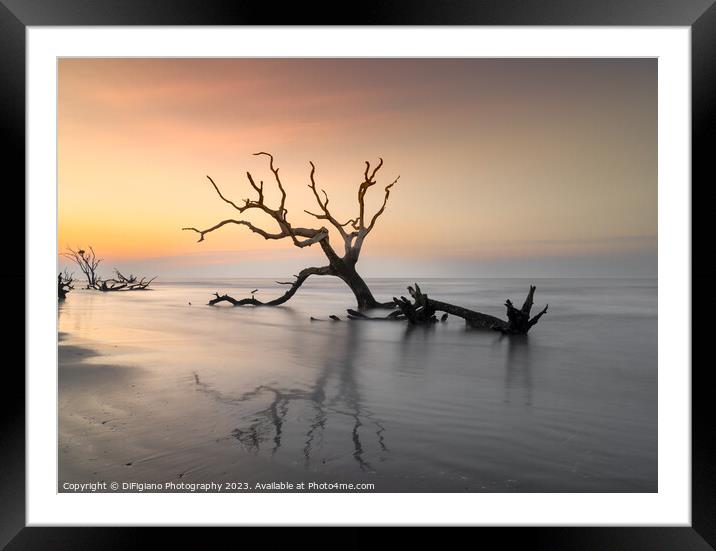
338,268
364,298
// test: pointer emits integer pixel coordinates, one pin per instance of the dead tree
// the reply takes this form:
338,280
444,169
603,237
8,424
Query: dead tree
87,263
123,283
519,321
353,233
423,311
64,284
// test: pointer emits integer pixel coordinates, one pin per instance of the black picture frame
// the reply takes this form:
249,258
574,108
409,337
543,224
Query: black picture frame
699,15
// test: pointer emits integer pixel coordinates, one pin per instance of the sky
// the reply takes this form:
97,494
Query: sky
508,167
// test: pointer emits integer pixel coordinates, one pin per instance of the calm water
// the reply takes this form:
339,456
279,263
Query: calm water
154,389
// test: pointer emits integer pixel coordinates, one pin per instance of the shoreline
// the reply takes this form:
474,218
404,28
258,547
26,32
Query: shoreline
154,390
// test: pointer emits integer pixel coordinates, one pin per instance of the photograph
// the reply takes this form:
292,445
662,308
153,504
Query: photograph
356,274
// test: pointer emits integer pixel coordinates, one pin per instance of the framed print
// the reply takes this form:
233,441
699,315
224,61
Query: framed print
363,273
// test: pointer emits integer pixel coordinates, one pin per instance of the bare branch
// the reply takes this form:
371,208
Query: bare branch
251,301
382,208
87,263
259,188
529,301
323,204
279,215
278,180
218,191
369,181
249,225
376,169
536,318
319,236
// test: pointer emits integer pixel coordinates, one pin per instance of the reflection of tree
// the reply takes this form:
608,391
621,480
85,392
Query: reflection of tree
416,349
338,362
60,309
518,368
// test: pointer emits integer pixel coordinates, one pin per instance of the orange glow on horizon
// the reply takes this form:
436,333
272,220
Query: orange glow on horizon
497,158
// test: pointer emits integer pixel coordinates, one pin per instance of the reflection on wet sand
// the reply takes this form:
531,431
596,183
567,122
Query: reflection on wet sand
337,366
151,388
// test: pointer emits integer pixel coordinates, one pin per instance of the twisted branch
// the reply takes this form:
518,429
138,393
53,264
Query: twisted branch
363,188
279,215
324,205
252,301
125,283
382,208
278,181
343,267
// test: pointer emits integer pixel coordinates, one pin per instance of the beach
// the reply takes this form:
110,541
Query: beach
156,387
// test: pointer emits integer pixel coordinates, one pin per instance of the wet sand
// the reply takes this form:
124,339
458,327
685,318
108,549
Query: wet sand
153,390
120,423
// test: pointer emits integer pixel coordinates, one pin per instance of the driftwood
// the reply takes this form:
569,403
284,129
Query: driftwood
64,284
519,321
332,318
423,310
353,233
123,283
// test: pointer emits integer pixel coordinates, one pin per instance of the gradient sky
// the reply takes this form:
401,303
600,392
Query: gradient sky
507,167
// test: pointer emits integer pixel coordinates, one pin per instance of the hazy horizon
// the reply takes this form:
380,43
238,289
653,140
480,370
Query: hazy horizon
228,264
508,167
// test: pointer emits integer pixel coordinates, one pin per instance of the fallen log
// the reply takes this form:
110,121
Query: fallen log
422,311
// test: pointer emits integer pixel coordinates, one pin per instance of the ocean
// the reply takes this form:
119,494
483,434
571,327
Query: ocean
156,387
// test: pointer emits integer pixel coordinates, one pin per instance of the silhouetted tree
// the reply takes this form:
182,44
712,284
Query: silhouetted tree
353,233
89,263
64,284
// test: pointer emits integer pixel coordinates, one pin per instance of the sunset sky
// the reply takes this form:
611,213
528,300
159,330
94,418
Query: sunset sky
507,167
